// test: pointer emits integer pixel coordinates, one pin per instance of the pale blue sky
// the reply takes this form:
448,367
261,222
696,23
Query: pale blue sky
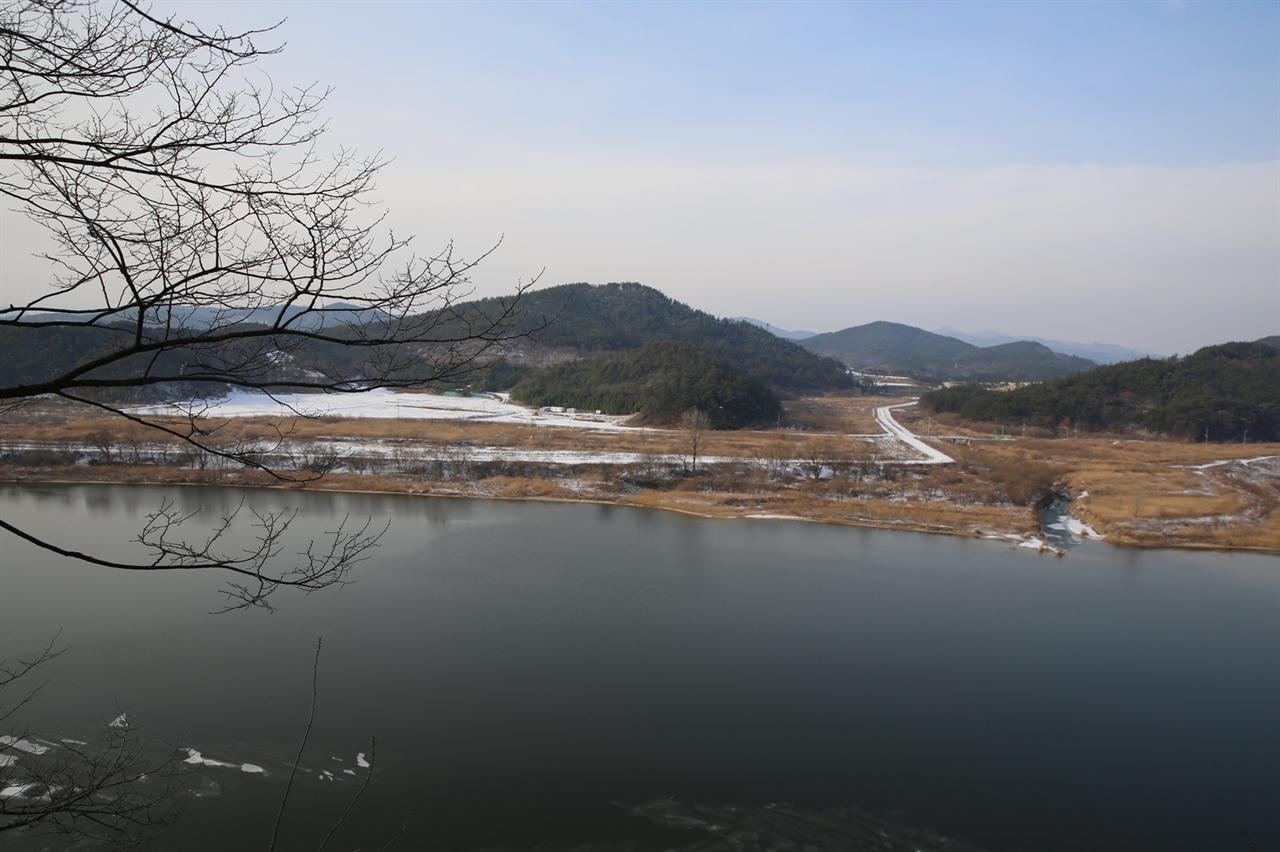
1082,171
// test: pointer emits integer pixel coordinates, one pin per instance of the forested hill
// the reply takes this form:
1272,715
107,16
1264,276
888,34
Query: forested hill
592,319
1273,340
1229,392
659,382
568,322
889,347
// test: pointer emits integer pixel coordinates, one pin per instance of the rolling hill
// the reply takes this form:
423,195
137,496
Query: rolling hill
659,381
888,348
575,321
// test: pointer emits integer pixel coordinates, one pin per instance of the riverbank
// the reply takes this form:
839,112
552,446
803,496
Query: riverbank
840,464
697,496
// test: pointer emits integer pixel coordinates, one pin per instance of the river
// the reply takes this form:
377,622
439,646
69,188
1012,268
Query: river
525,667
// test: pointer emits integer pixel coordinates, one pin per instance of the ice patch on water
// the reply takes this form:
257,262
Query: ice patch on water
14,791
118,722
195,758
361,762
8,760
29,746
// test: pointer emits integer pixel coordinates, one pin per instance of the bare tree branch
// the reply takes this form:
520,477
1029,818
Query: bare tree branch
10,672
320,564
306,733
113,788
204,240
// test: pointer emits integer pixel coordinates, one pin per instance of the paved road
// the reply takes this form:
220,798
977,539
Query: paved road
884,416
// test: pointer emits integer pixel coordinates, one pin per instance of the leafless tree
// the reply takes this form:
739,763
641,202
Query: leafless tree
203,240
694,426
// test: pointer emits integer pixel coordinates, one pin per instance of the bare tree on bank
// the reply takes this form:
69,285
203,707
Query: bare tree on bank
694,426
203,240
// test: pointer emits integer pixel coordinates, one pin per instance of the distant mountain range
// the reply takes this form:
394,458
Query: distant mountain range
584,322
332,314
889,347
773,329
1102,353
1099,353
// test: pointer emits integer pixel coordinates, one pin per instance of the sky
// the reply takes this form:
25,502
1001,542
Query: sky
1089,171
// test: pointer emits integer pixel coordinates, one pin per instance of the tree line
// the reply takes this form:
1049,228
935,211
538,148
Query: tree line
659,382
1229,392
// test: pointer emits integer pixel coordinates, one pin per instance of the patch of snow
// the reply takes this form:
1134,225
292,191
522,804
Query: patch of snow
1245,462
1080,529
382,403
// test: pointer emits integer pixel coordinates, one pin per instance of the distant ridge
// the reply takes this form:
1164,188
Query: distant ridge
1101,353
320,316
774,330
1273,340
890,347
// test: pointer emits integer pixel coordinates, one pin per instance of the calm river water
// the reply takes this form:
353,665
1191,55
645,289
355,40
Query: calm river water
524,666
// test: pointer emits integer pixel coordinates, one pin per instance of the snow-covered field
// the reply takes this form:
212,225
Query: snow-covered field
383,403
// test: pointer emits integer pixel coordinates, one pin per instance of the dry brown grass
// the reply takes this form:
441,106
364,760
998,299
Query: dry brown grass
1139,492
850,415
1150,492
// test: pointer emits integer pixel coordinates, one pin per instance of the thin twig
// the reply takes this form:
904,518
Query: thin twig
315,672
398,833
373,756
